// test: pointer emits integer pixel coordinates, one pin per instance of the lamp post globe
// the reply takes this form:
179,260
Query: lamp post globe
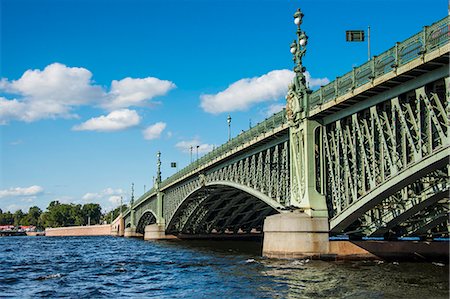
303,42
293,47
229,127
298,15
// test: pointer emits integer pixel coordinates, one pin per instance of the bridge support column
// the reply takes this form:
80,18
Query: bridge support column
295,235
307,168
118,226
130,232
156,232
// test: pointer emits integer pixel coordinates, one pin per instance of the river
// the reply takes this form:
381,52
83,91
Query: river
95,267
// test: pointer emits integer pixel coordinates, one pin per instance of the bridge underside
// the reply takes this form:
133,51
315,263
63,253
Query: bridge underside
220,210
147,218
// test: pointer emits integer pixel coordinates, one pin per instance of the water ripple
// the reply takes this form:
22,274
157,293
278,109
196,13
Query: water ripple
105,267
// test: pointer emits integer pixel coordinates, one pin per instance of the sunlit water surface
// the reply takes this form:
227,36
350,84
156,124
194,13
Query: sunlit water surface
93,267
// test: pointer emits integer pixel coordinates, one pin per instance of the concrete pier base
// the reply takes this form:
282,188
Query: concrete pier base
156,232
295,235
130,232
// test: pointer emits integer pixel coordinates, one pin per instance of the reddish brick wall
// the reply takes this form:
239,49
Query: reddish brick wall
92,230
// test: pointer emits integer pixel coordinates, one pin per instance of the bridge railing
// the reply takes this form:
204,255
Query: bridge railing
273,122
429,39
265,126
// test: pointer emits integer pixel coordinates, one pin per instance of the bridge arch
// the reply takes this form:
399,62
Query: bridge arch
222,207
147,218
402,179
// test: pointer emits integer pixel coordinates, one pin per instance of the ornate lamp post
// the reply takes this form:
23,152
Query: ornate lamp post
132,195
229,127
304,145
158,173
298,90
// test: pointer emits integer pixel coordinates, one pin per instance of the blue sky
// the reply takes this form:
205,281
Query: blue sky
90,90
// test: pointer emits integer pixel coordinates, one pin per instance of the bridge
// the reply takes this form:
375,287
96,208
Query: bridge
364,156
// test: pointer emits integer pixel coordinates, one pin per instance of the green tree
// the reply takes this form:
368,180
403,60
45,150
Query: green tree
18,216
92,211
6,218
33,217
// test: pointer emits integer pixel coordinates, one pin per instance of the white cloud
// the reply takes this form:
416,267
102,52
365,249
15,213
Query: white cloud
12,109
315,82
154,131
49,93
19,191
114,121
246,92
274,108
109,194
134,92
115,200
57,90
91,196
185,146
108,198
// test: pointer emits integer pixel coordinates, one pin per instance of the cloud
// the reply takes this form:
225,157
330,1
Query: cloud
50,93
91,196
134,92
315,82
114,121
115,200
246,92
109,197
274,108
104,194
19,191
154,131
57,90
185,146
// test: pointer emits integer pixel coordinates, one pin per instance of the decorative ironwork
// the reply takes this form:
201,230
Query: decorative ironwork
401,137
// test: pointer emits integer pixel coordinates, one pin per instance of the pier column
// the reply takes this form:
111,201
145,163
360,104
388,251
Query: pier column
118,226
157,232
295,235
130,232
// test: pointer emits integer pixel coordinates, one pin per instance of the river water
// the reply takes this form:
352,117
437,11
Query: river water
95,267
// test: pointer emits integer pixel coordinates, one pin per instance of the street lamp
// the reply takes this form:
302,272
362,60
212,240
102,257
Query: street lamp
229,127
197,150
298,91
158,163
298,17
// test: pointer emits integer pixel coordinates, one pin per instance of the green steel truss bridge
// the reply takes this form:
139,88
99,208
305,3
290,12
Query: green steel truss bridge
369,152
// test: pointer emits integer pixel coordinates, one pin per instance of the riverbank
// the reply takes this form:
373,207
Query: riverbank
80,231
5,233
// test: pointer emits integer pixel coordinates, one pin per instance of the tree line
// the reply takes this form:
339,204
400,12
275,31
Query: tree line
58,214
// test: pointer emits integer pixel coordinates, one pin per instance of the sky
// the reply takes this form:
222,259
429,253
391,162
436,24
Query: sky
91,90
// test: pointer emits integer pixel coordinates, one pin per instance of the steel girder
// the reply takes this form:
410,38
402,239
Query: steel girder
373,154
395,211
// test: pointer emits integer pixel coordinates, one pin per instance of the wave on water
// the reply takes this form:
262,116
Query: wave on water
57,275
